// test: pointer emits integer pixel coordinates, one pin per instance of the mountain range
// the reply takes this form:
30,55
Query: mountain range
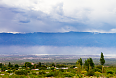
59,39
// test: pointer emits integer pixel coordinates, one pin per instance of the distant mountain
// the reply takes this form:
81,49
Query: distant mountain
59,39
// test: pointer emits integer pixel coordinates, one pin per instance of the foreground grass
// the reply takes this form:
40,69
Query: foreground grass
53,74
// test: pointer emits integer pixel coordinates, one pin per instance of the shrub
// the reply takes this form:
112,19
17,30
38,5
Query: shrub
52,74
109,75
41,73
34,73
42,68
73,71
52,68
21,72
3,68
28,71
61,70
80,75
110,72
68,74
16,76
97,74
33,76
72,67
83,72
4,76
9,71
90,73
97,69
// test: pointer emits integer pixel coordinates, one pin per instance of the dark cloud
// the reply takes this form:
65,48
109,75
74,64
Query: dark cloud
37,21
26,21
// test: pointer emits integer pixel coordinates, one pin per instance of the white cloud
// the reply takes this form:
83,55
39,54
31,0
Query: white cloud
82,15
38,5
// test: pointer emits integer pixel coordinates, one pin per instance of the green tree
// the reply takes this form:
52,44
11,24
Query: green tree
10,65
79,65
16,66
21,72
80,61
28,64
1,65
102,60
52,68
89,64
35,65
3,68
39,64
60,65
86,65
53,64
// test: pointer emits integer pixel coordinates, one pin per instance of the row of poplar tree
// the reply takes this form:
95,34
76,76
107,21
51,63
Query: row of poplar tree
89,64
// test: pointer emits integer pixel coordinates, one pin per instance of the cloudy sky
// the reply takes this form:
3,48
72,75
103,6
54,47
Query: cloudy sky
25,16
58,16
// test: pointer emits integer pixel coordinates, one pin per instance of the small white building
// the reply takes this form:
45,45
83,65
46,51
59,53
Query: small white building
35,69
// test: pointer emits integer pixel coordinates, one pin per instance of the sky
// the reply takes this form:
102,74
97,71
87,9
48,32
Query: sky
28,16
58,16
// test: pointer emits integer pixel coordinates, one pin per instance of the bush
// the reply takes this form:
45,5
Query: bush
99,67
109,75
16,76
28,71
34,73
73,71
3,68
60,65
80,75
83,72
98,70
52,74
9,71
90,73
42,68
61,70
33,76
68,74
110,72
72,67
97,74
21,72
41,73
52,68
